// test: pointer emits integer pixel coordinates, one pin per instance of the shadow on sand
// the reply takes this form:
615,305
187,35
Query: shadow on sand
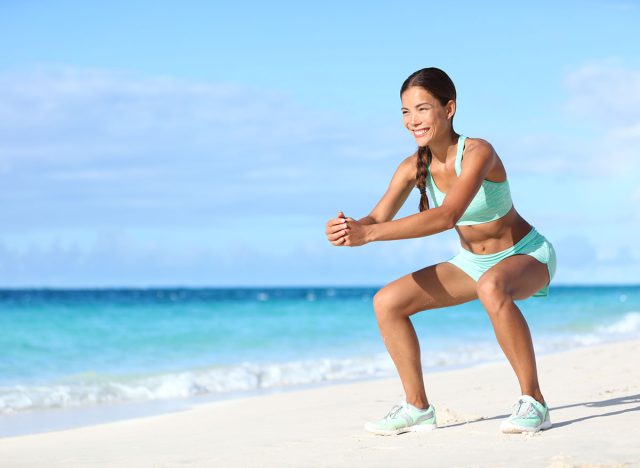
625,400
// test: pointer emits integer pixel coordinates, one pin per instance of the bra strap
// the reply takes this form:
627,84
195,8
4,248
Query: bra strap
458,161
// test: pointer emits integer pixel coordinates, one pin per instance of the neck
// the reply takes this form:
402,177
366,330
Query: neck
441,148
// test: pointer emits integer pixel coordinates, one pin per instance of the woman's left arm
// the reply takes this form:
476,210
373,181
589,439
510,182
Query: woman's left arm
479,159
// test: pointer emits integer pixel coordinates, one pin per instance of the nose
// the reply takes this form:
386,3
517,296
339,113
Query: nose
415,119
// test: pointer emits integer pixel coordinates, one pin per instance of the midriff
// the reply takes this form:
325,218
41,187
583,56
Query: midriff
494,236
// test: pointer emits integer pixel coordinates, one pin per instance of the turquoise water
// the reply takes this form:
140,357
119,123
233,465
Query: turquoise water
75,348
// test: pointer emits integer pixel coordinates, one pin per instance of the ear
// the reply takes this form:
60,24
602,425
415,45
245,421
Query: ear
451,109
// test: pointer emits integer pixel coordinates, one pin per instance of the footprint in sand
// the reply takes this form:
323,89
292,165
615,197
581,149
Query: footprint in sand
446,416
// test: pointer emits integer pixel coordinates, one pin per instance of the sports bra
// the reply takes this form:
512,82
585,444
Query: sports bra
492,201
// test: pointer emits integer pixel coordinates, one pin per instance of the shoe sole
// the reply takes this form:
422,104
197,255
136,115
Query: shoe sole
510,429
416,428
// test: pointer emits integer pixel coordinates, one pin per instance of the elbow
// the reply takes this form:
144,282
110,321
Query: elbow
450,224
450,218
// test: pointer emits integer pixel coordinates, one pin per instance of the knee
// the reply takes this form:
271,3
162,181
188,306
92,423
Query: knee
386,304
493,291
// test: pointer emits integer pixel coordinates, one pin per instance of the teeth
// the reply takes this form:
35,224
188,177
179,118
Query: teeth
421,132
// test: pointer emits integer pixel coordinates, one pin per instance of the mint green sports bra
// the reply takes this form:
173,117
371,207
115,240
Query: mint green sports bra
492,201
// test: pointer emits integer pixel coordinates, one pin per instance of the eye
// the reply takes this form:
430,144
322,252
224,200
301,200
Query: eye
423,109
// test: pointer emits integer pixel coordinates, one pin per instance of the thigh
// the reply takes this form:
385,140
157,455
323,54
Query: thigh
435,286
519,275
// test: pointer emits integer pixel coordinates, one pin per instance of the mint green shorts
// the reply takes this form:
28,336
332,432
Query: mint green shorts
534,244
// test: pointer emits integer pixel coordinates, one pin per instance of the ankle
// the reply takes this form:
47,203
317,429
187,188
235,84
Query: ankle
537,396
420,404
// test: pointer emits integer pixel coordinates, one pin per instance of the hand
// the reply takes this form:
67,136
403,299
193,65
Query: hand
357,233
336,229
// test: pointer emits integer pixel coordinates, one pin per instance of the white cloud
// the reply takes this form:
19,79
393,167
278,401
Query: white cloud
583,180
110,152
602,108
604,93
81,146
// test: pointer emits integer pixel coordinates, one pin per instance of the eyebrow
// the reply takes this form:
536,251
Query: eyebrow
418,105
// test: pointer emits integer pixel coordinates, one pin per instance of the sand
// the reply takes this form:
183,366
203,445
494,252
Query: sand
593,393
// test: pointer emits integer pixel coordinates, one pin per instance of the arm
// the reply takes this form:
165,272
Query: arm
422,224
367,220
399,189
402,182
478,161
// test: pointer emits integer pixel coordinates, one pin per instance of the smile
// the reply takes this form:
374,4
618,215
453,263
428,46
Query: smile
420,132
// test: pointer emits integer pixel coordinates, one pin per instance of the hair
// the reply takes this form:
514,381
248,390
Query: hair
438,84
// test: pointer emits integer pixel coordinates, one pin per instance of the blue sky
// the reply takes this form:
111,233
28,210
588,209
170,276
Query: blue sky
207,143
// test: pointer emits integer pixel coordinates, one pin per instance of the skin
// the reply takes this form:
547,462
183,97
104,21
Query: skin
442,285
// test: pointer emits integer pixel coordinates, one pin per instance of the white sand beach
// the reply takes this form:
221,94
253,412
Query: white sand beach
593,393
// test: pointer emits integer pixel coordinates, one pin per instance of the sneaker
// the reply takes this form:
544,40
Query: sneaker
404,417
528,415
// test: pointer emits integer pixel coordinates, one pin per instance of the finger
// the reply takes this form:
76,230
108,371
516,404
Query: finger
339,219
334,225
334,229
337,227
339,242
335,222
337,235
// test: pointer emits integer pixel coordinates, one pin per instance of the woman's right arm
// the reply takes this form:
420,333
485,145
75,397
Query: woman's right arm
402,182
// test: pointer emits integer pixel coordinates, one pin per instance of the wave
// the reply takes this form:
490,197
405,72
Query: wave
628,324
94,389
91,389
625,328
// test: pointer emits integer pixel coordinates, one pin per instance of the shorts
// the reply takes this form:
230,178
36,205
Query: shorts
534,244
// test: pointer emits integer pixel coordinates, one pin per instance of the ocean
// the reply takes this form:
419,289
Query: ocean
91,348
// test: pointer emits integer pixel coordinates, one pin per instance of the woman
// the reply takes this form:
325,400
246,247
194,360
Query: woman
502,257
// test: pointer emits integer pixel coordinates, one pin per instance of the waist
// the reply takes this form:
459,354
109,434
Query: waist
496,236
530,236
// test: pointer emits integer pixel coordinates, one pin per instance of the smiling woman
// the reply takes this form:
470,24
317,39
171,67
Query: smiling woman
502,257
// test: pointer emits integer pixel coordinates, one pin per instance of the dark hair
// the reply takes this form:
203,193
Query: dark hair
438,84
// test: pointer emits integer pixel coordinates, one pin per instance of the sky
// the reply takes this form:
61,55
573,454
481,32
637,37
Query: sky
207,143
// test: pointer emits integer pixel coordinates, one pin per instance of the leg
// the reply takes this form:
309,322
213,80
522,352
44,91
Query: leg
440,285
515,277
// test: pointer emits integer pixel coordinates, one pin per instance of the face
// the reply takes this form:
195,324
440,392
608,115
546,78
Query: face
424,116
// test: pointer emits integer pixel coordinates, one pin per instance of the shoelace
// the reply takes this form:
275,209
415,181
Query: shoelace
394,411
522,408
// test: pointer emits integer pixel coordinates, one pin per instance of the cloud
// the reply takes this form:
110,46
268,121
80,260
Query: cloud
580,185
251,175
604,93
123,257
81,146
599,128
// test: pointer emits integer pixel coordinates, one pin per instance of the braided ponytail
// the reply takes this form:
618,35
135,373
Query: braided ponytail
423,160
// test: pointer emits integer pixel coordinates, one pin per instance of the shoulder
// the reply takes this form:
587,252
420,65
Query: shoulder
478,146
479,150
407,167
410,161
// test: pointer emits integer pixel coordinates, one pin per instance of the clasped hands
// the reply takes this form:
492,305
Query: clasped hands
344,231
